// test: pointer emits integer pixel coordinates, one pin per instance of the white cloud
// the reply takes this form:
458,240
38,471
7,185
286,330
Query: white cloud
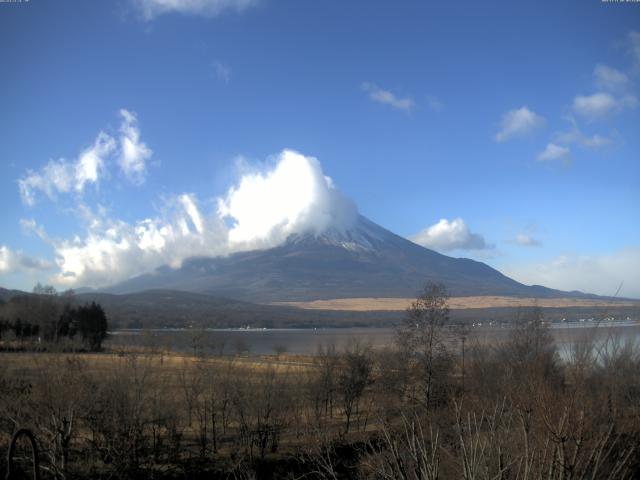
293,197
207,8
518,123
609,78
575,136
594,141
554,152
223,72
602,104
596,105
449,235
68,176
14,261
260,211
379,95
133,152
525,240
30,226
114,250
62,176
600,274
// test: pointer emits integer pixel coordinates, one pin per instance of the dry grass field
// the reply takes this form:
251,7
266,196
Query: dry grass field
455,303
170,363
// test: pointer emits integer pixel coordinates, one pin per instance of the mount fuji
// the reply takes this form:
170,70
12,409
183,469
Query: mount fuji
365,260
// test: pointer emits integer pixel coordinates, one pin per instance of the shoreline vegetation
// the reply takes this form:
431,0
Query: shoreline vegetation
435,403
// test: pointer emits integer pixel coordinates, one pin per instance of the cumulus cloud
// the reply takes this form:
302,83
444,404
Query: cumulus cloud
602,104
133,152
525,240
518,123
113,250
67,176
554,152
206,8
63,176
600,274
386,97
15,260
614,95
450,235
293,196
610,78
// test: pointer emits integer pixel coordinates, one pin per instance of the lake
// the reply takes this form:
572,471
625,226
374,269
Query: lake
306,341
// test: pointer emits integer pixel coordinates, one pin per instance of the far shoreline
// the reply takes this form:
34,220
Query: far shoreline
370,304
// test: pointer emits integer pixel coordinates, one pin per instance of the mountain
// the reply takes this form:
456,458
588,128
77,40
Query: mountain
363,261
6,294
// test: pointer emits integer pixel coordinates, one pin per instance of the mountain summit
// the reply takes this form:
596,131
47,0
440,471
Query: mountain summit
365,260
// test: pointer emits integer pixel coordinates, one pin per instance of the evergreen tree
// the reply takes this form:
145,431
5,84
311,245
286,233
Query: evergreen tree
91,322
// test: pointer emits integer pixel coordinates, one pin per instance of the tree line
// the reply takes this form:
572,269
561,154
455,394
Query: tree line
47,318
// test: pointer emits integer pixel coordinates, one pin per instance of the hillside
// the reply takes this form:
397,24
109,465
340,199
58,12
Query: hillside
167,308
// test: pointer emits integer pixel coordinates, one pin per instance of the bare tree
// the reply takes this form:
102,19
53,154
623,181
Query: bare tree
421,336
407,452
354,377
322,382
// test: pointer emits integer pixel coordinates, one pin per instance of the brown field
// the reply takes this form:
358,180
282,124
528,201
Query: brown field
25,363
456,303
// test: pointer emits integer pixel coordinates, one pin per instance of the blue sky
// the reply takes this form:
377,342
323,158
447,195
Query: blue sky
135,133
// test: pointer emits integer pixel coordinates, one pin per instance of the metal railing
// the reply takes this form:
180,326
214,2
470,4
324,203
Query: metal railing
11,470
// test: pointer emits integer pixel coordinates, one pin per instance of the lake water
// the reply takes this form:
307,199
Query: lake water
306,341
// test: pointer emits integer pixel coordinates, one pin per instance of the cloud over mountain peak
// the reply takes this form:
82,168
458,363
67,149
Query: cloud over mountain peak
264,207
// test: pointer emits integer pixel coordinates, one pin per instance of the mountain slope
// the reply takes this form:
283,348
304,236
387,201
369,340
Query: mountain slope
365,261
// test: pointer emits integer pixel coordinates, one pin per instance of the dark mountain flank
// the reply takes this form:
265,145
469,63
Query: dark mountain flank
364,261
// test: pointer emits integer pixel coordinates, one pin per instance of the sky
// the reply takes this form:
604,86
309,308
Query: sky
138,133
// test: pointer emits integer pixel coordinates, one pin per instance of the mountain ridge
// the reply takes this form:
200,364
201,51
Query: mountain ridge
366,260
